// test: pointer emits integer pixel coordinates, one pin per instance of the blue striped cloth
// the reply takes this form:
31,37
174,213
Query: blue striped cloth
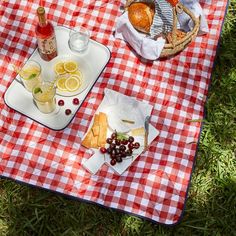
163,19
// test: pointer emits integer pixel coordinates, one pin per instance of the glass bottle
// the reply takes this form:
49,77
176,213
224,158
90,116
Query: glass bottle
47,45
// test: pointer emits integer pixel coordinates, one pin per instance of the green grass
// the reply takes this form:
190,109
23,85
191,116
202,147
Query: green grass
211,205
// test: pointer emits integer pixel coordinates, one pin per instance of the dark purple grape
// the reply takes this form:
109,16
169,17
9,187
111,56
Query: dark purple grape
117,151
117,142
129,152
136,145
118,158
122,147
61,102
114,135
109,140
112,146
113,162
113,156
103,150
76,101
131,139
124,142
109,150
113,151
131,146
123,154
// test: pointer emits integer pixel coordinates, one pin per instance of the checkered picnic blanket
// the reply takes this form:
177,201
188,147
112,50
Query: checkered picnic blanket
155,186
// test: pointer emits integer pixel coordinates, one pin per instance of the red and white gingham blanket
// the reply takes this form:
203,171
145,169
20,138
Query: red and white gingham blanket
155,186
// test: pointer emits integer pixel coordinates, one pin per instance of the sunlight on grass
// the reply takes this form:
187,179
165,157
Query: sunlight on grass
3,227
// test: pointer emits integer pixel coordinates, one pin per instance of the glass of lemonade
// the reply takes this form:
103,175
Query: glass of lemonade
44,96
78,39
30,74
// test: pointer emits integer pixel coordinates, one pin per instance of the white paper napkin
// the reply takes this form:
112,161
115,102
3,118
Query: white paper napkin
118,106
144,46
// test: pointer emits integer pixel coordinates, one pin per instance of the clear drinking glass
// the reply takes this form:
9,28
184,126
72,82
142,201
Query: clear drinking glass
79,39
30,74
44,96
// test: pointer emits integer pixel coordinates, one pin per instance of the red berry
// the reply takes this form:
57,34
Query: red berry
76,101
68,112
61,102
103,150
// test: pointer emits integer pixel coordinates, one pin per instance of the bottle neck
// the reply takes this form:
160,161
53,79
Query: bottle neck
42,20
41,16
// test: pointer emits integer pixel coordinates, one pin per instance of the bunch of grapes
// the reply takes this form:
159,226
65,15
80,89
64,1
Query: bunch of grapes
119,148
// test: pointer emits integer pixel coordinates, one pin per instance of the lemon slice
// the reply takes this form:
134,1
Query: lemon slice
61,83
70,66
59,68
78,72
73,83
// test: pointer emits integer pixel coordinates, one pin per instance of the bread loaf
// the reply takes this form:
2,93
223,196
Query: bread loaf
141,16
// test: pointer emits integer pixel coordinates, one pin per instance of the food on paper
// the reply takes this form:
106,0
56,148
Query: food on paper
119,146
141,15
96,136
72,83
59,68
70,66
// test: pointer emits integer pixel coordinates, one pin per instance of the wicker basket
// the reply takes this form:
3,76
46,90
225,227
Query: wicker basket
177,45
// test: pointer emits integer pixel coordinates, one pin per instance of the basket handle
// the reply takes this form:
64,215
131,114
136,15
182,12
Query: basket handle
178,9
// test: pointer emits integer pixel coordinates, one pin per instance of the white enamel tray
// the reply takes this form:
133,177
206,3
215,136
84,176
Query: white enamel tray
91,63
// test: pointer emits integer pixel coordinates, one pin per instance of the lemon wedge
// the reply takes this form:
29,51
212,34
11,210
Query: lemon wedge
70,66
61,83
59,68
73,83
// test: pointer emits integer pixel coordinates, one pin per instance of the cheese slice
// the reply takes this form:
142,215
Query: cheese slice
138,131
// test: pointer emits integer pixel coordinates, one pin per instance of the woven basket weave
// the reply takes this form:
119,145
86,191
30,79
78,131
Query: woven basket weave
177,45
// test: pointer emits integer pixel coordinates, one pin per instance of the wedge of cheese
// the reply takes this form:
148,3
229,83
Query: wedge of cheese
97,134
